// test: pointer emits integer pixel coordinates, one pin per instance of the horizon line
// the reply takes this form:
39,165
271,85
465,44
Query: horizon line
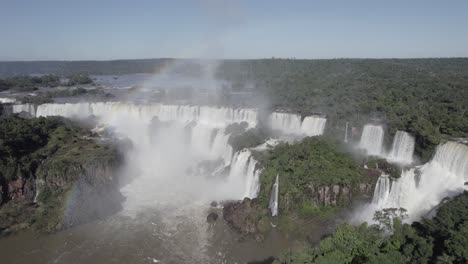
239,59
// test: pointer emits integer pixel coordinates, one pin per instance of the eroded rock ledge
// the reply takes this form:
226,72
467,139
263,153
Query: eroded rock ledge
55,174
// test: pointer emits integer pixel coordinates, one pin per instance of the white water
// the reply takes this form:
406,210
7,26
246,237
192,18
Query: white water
372,140
110,111
402,148
313,126
286,123
28,108
4,100
292,124
346,133
219,117
443,176
274,198
381,191
166,159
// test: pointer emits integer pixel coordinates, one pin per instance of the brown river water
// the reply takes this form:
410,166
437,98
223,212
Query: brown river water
146,238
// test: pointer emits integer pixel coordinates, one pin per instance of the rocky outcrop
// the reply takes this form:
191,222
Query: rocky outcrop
70,180
380,166
21,189
335,195
212,217
85,191
61,198
244,216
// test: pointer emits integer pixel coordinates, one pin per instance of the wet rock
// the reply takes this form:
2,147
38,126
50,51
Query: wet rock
214,204
212,217
242,216
335,194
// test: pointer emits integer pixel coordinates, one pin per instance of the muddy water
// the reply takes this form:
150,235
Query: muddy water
146,238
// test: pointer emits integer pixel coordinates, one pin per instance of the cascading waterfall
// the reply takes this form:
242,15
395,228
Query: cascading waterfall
286,123
402,148
5,100
420,189
292,124
221,147
274,198
207,138
372,139
28,108
243,168
253,179
205,115
382,190
313,126
166,158
211,116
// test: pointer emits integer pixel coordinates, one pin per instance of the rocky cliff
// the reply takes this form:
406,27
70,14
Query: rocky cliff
55,177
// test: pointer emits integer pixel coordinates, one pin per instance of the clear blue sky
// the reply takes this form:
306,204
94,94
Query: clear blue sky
113,29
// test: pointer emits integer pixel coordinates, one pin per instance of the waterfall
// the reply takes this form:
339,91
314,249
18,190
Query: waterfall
5,100
286,123
253,179
274,198
402,148
28,108
221,147
420,189
372,139
382,190
346,133
243,169
110,111
291,124
313,126
188,159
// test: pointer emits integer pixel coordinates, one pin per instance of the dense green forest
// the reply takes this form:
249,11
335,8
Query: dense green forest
427,97
442,239
304,167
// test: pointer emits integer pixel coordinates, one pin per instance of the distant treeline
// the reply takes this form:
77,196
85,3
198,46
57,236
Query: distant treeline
26,83
64,68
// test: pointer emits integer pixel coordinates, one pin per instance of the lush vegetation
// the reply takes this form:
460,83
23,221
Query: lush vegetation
78,79
443,239
20,139
29,83
427,97
26,83
304,166
52,151
241,137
